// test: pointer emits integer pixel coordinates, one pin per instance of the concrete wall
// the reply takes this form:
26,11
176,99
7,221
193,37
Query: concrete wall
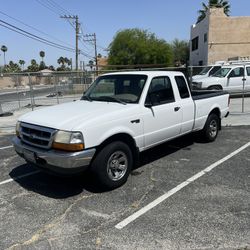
228,36
201,54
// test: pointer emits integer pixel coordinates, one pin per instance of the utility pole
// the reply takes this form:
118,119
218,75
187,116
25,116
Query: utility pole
92,38
77,33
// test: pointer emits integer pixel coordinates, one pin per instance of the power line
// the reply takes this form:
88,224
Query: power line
30,36
27,25
35,37
82,42
57,5
49,7
68,17
86,55
58,10
92,38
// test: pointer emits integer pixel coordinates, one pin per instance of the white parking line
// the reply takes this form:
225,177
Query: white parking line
19,177
11,146
162,198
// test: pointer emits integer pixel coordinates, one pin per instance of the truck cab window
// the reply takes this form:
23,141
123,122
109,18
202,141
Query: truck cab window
160,91
237,72
248,71
182,87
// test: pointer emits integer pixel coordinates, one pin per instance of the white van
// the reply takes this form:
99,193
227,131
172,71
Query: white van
229,77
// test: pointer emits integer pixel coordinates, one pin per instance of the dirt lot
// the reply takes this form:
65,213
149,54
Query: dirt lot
205,211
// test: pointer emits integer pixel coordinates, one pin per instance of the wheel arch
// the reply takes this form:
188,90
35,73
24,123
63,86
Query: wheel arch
125,138
217,112
215,86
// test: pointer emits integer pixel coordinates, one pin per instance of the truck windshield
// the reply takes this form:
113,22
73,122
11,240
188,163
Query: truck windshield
205,70
222,72
122,88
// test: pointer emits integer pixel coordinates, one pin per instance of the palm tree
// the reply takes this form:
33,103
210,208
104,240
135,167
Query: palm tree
66,60
61,60
213,4
33,62
22,62
33,67
42,54
4,49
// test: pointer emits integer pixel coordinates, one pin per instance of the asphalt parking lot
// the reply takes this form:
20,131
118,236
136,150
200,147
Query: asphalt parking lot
184,195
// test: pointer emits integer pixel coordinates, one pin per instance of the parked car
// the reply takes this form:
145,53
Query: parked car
121,115
206,72
229,77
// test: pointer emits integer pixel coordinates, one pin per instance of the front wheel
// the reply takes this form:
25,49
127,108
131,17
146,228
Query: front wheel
113,164
211,128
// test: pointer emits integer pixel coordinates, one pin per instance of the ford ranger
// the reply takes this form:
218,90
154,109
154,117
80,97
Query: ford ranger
120,115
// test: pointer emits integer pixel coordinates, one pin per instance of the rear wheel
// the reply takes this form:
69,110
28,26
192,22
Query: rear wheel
211,128
113,164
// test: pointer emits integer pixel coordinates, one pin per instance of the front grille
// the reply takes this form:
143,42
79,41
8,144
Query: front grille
37,136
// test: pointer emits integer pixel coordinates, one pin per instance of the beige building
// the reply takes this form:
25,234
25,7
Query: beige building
102,62
219,38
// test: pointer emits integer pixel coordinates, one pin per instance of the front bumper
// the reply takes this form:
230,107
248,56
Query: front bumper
54,160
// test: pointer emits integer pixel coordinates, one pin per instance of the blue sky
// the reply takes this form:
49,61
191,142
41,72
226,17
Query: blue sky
167,19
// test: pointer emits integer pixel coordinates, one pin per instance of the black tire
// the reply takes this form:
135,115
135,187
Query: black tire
211,128
108,165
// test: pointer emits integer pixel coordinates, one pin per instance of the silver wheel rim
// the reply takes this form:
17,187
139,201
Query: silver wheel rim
117,165
213,128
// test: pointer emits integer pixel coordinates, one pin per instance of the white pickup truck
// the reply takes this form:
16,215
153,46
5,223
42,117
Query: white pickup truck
229,78
121,115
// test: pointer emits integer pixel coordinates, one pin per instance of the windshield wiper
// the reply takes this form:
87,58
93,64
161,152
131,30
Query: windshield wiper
86,97
110,98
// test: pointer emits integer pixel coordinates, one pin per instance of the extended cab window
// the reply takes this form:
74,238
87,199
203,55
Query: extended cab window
248,71
160,91
237,72
182,86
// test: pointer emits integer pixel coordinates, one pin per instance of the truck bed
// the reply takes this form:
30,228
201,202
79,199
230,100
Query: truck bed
203,94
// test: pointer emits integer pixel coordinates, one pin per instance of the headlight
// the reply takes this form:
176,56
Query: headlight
197,84
68,141
18,124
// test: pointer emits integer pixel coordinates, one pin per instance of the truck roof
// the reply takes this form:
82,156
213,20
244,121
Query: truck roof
150,73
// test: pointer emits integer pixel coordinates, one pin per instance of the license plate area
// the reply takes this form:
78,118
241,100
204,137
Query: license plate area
29,155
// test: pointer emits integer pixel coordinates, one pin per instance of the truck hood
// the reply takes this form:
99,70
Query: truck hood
71,115
208,81
198,77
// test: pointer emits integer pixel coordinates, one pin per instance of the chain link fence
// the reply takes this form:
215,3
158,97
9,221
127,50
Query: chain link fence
30,90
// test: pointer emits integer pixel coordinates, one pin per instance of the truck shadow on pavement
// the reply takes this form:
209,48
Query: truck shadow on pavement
64,187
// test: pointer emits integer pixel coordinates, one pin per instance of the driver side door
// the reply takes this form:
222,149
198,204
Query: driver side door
235,80
162,114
